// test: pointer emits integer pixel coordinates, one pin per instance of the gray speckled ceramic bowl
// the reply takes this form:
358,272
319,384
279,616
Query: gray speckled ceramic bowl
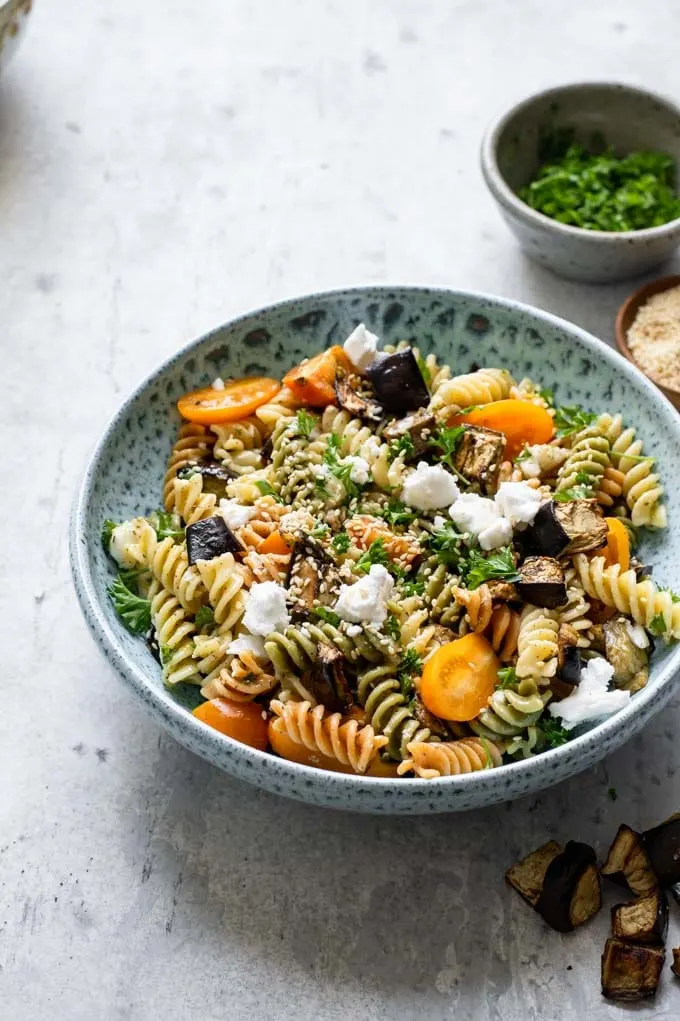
125,472
629,118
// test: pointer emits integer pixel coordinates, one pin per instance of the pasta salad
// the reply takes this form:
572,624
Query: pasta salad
379,566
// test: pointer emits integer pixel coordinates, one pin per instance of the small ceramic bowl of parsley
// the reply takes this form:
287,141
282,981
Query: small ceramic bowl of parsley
586,176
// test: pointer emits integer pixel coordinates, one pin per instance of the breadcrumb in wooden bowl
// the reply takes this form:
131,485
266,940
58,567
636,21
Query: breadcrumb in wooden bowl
648,334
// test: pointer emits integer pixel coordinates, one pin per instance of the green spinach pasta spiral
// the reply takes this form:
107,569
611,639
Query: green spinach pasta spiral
380,694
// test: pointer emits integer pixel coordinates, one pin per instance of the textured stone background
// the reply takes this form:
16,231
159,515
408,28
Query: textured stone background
164,165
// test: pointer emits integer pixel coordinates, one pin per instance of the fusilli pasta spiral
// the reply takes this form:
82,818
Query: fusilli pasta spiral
589,457
190,502
175,634
245,678
481,387
642,488
511,718
641,600
450,758
349,743
478,606
379,692
225,581
537,643
194,443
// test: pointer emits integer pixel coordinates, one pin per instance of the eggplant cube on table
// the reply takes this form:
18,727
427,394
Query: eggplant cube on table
628,863
563,886
644,920
630,972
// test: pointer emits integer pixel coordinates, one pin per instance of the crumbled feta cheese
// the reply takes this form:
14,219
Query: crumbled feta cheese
429,487
353,630
360,347
361,470
266,609
439,521
638,635
518,502
235,514
248,643
365,602
591,699
530,467
218,384
321,471
125,541
370,450
480,517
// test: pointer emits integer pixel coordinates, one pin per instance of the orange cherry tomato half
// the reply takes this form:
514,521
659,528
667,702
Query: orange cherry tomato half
458,679
275,543
237,400
617,550
313,382
520,422
244,721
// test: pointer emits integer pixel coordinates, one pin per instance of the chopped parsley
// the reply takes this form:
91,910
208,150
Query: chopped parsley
403,447
413,588
340,542
410,666
497,565
165,653
548,396
320,530
657,625
445,443
571,418
507,678
107,533
524,455
205,617
375,554
341,471
397,513
612,792
552,732
391,626
445,542
268,490
166,525
328,616
582,490
305,423
134,611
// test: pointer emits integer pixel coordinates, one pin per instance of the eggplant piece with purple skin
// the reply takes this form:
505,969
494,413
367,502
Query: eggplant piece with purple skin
327,681
562,886
479,456
662,845
419,427
348,390
215,475
313,578
644,920
398,382
631,667
210,538
675,966
568,654
575,526
630,972
541,582
628,864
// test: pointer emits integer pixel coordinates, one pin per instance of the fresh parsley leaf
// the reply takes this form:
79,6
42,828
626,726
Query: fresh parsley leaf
306,423
397,513
575,493
391,626
657,625
320,530
524,455
413,588
548,396
188,472
340,542
340,470
571,418
323,613
403,447
611,791
134,611
552,732
424,371
445,542
375,554
410,666
445,443
166,525
107,533
498,564
165,653
268,490
205,617
507,678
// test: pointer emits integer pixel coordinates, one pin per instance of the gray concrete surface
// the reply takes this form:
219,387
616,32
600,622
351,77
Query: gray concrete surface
164,165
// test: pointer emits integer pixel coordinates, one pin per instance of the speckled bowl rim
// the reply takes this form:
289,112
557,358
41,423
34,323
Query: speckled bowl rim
404,793
504,194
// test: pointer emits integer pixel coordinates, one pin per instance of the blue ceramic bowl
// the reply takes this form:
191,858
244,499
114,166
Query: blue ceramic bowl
124,477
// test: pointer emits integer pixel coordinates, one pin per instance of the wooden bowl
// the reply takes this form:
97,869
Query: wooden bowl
624,321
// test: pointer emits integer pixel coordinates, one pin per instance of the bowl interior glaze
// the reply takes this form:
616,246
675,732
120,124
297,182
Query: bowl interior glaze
125,474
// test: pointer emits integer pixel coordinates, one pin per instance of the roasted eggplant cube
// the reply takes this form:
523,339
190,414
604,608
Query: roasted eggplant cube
630,972
419,427
327,680
349,392
502,591
568,654
627,862
429,720
398,381
215,475
572,526
479,456
210,538
675,966
644,920
312,576
662,844
571,891
631,667
528,874
541,582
